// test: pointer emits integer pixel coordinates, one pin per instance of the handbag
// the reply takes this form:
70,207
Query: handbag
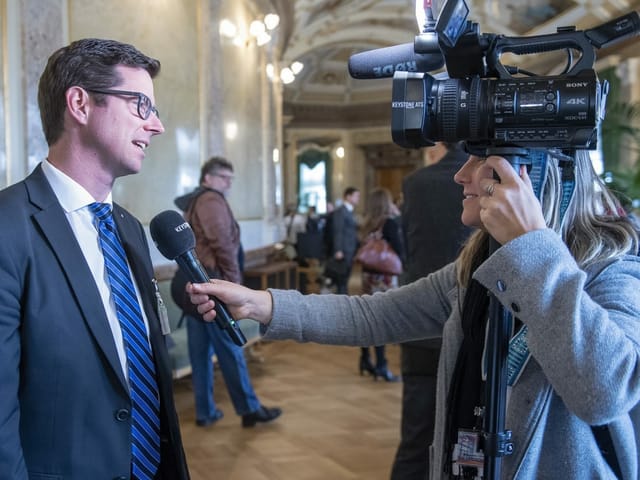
336,269
376,255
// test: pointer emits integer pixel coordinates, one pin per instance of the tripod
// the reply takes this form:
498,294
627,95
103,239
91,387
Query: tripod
497,440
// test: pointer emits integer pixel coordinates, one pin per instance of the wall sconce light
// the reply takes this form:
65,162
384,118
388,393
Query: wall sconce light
287,76
263,38
271,21
257,29
296,67
231,130
340,152
270,71
228,28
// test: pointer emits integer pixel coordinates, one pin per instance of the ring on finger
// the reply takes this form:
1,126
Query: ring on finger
490,188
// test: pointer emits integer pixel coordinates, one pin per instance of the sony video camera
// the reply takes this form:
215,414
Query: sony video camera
483,102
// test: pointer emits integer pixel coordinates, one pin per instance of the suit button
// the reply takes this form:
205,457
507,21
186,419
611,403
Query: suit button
502,287
122,415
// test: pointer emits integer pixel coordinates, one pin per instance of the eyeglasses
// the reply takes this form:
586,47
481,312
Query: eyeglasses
228,178
145,107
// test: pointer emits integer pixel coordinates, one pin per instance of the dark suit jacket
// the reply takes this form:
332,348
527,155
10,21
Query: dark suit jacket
64,406
345,233
434,233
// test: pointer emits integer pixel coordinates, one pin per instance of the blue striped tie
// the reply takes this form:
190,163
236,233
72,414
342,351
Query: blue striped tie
145,405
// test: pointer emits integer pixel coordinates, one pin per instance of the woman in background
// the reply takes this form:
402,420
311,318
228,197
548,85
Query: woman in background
381,219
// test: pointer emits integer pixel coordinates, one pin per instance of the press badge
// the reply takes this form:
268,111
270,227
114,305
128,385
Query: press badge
468,459
162,310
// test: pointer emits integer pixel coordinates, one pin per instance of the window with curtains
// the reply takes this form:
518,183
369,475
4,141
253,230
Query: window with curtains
314,172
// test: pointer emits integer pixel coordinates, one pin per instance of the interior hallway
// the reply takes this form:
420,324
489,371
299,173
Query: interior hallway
336,424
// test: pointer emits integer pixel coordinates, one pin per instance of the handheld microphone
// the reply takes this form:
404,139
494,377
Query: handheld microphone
175,240
384,62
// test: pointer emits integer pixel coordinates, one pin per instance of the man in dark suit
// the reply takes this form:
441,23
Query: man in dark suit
69,406
345,235
434,235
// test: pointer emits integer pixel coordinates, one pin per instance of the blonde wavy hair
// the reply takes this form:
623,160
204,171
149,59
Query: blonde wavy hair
594,226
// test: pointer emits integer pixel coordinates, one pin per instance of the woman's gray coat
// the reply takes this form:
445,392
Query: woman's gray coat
583,334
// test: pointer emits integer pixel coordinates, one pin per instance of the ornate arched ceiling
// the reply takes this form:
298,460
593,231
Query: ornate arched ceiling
323,34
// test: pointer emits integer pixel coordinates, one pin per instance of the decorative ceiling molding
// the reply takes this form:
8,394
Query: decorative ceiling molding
323,34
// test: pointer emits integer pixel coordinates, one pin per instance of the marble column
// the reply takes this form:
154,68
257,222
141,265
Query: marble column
34,28
212,93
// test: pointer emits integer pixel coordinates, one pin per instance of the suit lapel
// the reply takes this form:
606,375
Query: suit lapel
133,239
55,227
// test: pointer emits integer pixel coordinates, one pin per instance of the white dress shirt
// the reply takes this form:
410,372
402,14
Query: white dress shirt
75,200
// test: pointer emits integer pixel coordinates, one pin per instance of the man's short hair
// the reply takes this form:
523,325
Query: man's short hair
213,166
349,191
88,63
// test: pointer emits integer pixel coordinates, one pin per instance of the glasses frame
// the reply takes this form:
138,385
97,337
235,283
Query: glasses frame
227,178
139,95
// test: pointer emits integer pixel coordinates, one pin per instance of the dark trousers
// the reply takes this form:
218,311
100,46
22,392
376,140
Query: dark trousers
419,371
418,407
381,358
204,339
342,283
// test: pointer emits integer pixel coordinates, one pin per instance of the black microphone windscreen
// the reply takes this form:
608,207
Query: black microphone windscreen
383,62
172,234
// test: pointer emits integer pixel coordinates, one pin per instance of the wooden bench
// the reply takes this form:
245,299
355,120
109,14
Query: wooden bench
279,272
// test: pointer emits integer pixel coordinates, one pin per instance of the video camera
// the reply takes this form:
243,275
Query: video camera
482,102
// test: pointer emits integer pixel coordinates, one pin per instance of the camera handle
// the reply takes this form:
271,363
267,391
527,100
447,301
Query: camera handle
497,440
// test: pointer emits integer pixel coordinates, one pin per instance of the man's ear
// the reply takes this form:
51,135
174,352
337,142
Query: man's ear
207,180
78,104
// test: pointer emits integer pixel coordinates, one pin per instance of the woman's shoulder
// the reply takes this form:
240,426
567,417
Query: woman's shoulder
613,269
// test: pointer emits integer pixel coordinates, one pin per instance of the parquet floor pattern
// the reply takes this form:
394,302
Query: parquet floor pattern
336,424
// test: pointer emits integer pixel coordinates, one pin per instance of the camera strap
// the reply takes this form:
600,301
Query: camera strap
568,184
517,357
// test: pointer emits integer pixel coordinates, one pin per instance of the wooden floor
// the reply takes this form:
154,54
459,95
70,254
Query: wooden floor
336,424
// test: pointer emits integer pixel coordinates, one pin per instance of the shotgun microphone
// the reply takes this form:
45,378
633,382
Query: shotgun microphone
384,62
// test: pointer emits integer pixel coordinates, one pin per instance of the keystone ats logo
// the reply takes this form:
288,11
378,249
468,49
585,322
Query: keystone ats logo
407,105
182,227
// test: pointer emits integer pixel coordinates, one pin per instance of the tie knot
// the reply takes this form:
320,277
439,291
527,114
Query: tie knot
102,211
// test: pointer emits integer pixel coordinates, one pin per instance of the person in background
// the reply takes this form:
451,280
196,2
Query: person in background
397,205
344,235
434,235
570,279
315,222
217,246
86,379
294,223
380,218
